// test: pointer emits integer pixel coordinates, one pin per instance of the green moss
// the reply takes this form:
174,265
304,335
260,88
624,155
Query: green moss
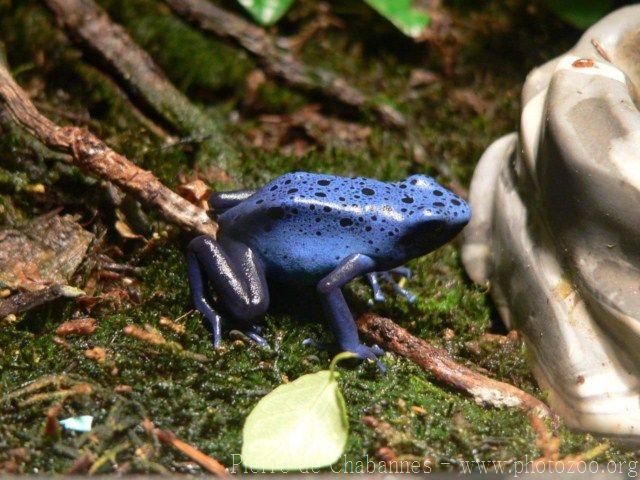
205,403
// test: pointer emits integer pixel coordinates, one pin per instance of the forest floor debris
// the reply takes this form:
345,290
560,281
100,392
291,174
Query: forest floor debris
93,156
205,403
77,326
91,26
279,62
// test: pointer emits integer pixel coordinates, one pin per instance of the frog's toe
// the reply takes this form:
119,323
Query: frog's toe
373,279
370,353
377,350
312,342
258,339
253,333
410,296
258,329
379,297
403,272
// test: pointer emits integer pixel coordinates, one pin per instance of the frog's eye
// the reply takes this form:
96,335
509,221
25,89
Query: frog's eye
421,181
423,233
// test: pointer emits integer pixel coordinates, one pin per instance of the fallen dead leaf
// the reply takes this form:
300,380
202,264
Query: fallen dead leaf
61,342
422,78
171,325
77,326
254,81
387,455
98,354
52,426
467,98
146,335
126,231
82,464
297,133
197,192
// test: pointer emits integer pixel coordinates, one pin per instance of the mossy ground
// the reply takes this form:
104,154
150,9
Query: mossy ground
205,403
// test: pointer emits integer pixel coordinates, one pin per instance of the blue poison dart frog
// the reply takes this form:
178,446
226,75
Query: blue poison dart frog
319,230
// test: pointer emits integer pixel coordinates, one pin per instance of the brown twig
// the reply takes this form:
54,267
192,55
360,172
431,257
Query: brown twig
600,49
80,389
202,459
278,61
90,25
153,337
77,326
549,445
82,464
483,390
94,157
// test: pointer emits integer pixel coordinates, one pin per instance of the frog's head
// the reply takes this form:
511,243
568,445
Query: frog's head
439,216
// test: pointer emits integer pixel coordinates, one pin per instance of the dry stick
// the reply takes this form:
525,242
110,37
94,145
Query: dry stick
600,49
202,459
484,390
90,25
278,61
94,157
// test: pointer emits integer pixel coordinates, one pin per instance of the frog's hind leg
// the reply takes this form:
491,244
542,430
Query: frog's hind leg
222,201
235,276
341,320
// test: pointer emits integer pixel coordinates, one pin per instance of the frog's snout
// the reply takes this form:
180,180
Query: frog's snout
460,214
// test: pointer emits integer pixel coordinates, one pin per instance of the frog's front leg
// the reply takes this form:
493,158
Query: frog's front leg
341,320
375,277
236,277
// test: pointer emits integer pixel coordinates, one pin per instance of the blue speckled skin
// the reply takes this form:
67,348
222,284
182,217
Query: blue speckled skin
322,230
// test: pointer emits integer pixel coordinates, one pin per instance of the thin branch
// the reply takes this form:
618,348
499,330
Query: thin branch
278,61
484,390
202,459
94,157
600,49
92,28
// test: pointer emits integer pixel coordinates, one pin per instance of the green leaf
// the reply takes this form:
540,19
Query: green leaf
580,13
409,21
266,12
300,425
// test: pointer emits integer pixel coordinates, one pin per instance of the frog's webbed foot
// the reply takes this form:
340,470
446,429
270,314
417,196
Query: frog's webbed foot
375,278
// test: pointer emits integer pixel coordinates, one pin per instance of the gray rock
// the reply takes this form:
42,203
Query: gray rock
556,227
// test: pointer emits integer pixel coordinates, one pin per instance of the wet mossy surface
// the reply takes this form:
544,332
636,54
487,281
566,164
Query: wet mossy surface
204,400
